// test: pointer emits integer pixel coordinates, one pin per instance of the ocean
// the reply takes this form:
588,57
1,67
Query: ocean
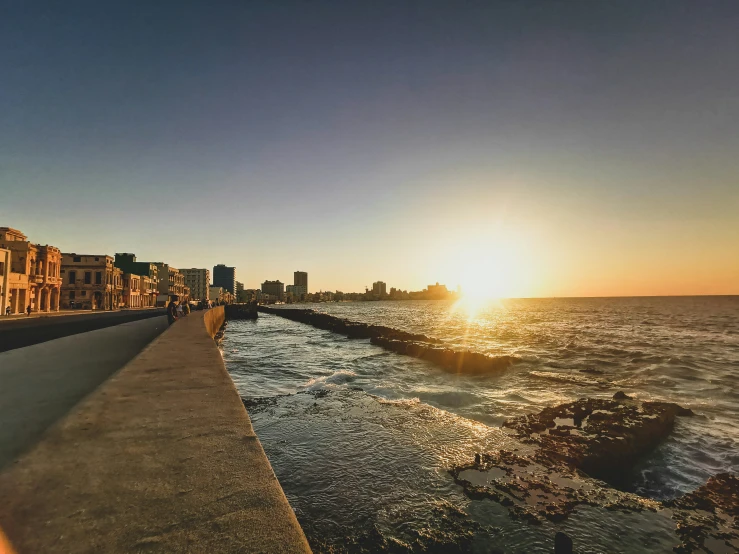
361,439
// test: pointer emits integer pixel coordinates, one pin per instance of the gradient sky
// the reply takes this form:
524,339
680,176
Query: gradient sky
580,148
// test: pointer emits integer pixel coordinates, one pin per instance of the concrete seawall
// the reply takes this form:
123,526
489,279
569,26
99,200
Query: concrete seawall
161,458
214,319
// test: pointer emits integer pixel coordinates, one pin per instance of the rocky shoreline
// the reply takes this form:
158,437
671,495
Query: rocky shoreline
400,342
578,455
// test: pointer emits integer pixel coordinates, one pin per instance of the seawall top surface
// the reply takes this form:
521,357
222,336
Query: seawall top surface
161,458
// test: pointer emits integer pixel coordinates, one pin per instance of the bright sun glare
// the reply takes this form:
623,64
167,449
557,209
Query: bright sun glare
487,274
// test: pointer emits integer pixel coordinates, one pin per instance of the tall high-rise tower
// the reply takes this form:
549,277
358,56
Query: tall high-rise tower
301,280
225,277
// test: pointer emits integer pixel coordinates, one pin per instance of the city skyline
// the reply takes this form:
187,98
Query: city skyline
528,149
477,288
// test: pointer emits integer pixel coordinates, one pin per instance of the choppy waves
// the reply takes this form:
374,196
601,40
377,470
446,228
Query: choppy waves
677,350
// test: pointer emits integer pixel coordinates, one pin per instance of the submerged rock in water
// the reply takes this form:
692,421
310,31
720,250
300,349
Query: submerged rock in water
549,481
709,516
352,329
401,342
246,310
454,360
603,438
535,490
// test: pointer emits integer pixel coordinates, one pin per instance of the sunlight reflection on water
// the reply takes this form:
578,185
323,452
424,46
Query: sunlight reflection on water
381,447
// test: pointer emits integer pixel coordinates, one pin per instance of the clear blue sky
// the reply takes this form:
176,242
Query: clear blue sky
596,143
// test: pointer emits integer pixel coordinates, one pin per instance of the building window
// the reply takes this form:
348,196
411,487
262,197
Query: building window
88,277
71,295
98,277
77,259
83,293
72,277
97,259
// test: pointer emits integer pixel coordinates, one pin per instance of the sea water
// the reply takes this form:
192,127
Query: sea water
361,439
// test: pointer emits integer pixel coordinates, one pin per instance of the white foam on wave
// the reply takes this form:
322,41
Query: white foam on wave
338,378
399,401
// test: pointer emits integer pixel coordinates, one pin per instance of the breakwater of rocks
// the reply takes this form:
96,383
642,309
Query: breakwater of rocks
246,310
401,342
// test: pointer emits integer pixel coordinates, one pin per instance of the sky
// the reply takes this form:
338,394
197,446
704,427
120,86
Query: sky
544,148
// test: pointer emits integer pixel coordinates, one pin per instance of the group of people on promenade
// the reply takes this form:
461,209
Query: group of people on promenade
176,309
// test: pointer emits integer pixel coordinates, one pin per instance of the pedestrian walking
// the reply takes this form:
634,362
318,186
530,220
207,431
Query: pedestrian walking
7,311
28,310
172,312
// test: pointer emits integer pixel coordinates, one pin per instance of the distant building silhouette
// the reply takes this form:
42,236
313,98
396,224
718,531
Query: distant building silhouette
300,279
298,291
225,277
240,296
437,291
274,288
379,288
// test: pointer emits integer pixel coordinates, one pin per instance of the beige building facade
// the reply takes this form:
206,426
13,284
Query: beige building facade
132,291
91,282
199,282
4,280
33,278
171,284
149,291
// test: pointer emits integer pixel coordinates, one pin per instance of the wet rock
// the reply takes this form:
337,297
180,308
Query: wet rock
536,491
603,438
257,404
708,518
621,395
401,342
241,311
453,360
342,326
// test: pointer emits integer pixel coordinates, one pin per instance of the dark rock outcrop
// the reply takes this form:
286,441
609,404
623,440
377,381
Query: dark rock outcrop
708,516
401,342
603,438
461,361
351,329
242,311
565,446
535,490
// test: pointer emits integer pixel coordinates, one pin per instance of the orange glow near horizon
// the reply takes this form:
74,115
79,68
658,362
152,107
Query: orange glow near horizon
493,265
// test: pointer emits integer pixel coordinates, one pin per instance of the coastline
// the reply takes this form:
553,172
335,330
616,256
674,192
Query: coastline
357,378
166,434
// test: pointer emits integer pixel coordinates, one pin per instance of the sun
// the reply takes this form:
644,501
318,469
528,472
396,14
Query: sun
487,273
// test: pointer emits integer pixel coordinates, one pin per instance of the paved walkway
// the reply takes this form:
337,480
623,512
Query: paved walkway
39,384
161,458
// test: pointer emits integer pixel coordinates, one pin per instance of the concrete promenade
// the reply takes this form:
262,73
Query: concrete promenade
43,382
160,458
18,332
